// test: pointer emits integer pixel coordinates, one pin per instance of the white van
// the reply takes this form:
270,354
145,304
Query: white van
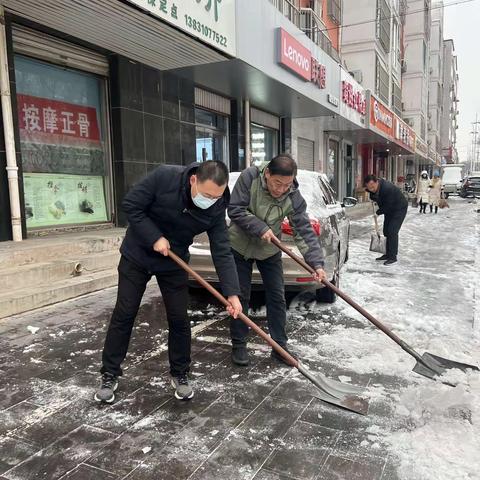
452,178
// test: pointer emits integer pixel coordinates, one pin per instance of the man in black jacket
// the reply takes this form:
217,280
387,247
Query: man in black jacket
166,211
393,204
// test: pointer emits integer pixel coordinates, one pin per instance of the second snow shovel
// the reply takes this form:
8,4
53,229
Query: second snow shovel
428,365
378,243
328,390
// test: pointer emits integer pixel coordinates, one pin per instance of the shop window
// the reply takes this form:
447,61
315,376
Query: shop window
211,136
63,142
264,143
332,164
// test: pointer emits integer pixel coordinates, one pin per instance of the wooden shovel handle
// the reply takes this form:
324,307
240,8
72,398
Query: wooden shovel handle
342,295
291,360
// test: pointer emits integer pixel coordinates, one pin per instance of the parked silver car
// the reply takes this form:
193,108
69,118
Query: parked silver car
329,222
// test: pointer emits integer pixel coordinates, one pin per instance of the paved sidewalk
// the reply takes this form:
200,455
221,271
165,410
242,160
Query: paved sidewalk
259,422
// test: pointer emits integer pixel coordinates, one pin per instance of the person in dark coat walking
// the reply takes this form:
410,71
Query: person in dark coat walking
166,210
393,204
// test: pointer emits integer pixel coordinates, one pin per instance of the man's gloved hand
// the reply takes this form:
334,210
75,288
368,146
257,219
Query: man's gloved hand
162,245
235,307
379,212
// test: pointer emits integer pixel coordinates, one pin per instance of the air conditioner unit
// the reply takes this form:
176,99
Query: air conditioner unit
357,75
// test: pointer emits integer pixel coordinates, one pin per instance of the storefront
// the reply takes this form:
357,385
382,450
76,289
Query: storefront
97,104
63,130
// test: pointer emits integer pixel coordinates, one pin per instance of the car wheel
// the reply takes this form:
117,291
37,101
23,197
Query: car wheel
462,195
325,295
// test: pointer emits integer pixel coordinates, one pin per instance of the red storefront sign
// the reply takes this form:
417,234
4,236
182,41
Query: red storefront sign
404,134
298,59
354,98
381,117
43,120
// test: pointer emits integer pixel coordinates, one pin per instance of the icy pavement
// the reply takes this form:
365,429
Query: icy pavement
261,422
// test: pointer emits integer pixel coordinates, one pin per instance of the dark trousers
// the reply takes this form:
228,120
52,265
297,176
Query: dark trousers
132,281
423,207
271,271
391,227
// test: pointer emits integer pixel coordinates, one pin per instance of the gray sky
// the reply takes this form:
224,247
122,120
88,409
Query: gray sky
462,24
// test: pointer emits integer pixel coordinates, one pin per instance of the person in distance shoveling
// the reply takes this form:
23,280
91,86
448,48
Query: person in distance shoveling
391,203
261,199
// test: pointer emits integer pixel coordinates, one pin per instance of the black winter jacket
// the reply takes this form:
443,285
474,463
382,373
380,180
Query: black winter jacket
161,206
389,198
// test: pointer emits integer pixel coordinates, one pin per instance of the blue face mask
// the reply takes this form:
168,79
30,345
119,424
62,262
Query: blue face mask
203,202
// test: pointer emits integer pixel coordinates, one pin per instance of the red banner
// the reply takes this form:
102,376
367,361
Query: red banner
43,120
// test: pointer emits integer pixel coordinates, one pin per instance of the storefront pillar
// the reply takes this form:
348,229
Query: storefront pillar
9,136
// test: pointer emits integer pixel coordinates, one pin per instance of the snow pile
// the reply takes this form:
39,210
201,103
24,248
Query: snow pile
442,438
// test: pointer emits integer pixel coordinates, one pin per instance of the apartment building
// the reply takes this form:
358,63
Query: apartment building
449,117
436,81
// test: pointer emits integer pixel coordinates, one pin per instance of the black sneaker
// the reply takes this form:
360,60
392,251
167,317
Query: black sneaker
382,258
240,355
106,392
183,390
276,356
390,261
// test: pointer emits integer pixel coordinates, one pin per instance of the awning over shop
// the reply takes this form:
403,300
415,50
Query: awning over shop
117,27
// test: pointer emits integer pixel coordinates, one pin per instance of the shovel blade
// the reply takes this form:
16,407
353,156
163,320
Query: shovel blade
336,393
435,366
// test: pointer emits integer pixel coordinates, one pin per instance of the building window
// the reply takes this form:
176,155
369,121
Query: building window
382,86
397,99
64,144
211,136
264,143
383,24
334,11
422,127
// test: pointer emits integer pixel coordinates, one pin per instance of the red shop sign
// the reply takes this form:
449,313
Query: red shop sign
354,98
298,59
43,120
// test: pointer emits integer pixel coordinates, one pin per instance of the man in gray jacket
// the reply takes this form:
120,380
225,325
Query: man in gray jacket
262,198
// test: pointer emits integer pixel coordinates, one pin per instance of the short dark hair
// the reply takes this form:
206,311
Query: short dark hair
213,170
370,178
283,165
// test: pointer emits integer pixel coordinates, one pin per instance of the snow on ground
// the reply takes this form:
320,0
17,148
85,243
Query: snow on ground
428,299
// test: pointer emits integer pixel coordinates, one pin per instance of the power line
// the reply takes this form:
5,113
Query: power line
391,17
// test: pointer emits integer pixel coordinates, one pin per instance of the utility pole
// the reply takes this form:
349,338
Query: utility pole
475,142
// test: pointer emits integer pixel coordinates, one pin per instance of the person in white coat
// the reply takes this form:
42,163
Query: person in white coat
423,187
435,192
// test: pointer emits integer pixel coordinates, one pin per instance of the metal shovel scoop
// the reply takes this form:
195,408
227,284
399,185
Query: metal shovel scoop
428,365
330,391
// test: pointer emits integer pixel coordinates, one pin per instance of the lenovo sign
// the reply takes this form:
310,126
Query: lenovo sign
298,59
294,56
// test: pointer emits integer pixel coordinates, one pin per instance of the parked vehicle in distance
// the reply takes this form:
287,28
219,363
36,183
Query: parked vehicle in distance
452,179
329,223
471,186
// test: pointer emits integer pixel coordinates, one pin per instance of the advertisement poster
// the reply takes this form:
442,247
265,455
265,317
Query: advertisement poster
57,199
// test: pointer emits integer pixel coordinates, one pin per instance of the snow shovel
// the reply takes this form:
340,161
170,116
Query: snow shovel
330,391
378,243
428,365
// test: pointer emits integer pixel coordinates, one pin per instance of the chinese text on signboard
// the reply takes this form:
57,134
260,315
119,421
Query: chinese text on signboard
212,21
354,98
